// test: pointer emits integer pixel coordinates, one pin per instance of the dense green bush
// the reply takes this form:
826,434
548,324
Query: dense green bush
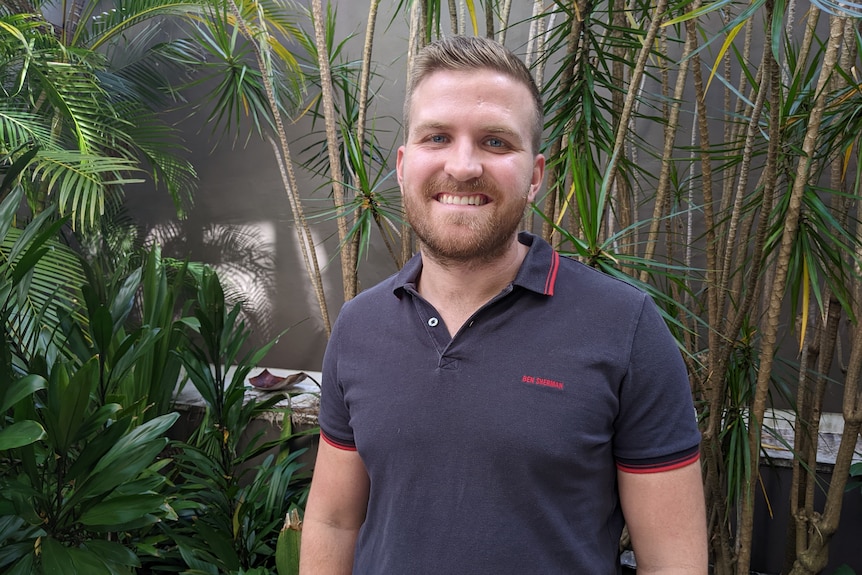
89,481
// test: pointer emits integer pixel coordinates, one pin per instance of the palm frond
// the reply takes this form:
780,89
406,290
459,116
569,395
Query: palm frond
79,182
43,278
111,24
19,127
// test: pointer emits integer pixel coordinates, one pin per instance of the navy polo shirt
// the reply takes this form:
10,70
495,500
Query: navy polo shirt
496,451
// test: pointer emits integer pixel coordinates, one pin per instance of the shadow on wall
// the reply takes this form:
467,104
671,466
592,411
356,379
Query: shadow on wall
250,239
246,262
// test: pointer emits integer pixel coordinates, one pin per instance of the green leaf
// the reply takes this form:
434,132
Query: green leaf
102,328
125,298
219,543
9,206
127,457
16,552
98,419
18,390
71,400
113,553
88,563
104,479
19,434
135,526
56,559
121,510
96,448
43,229
125,460
287,547
24,566
144,433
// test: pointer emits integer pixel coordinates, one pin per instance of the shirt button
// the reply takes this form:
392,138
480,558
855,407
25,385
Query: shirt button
433,322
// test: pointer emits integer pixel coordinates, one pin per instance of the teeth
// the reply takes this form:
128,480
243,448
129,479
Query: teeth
450,199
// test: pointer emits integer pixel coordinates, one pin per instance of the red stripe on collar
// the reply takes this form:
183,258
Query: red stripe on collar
551,280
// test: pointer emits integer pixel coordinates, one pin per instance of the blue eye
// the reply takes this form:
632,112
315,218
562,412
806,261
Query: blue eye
437,139
495,142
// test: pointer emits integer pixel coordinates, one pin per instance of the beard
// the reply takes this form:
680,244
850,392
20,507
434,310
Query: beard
459,238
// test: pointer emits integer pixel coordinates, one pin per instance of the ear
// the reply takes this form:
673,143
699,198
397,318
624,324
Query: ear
537,178
399,167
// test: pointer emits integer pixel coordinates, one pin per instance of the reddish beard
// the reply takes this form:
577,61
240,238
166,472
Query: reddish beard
464,237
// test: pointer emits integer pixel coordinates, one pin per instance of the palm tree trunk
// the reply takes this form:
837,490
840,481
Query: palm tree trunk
623,126
489,19
453,17
353,250
814,557
285,164
553,199
672,124
505,11
770,331
347,252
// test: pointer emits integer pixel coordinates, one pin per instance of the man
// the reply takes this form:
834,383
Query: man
494,408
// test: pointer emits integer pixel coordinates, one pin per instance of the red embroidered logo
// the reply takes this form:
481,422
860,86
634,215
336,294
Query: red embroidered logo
542,381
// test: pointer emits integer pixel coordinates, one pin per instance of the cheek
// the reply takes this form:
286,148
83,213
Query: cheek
516,169
412,168
519,175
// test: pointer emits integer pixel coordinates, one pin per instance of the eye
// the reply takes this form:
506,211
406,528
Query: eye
437,139
495,143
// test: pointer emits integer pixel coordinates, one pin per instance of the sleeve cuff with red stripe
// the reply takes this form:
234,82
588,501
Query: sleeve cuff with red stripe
658,464
338,444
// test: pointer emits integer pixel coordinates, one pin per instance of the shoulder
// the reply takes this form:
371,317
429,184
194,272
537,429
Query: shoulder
545,271
377,294
591,286
371,307
587,276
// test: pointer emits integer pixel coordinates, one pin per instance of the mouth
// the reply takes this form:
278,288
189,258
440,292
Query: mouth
459,200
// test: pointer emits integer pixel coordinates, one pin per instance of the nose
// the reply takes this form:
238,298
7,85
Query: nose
464,162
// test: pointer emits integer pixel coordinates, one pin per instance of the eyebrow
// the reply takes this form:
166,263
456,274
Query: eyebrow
430,127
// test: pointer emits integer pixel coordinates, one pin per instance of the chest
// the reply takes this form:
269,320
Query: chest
511,381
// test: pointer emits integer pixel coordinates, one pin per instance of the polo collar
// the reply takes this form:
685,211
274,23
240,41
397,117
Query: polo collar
538,271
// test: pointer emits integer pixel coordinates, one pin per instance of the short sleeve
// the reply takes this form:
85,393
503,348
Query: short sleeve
656,429
334,417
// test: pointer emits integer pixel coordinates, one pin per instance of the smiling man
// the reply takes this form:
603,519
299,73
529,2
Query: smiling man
494,408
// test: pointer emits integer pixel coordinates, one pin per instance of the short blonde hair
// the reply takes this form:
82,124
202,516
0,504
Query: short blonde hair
468,53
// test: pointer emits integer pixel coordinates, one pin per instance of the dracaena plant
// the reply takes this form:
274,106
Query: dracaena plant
78,475
231,509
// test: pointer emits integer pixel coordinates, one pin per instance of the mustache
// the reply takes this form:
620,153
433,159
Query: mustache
448,186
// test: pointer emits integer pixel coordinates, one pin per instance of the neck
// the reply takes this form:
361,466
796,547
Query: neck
468,285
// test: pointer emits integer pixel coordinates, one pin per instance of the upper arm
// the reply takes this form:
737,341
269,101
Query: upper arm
666,518
339,488
334,513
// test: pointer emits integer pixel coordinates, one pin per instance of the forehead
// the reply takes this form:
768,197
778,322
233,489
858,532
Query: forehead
473,89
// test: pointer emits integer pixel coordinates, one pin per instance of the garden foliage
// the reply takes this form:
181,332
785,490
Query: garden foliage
90,481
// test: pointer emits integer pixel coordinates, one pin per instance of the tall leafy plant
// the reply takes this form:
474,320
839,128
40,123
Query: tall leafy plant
85,487
231,509
78,476
134,330
257,77
15,272
365,199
